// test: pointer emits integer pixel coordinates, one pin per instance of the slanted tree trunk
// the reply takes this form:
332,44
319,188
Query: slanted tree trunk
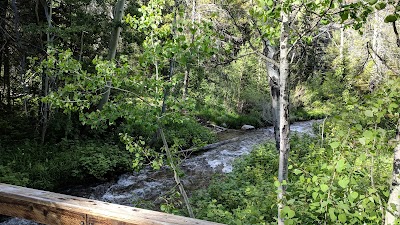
119,13
283,111
161,132
393,208
176,175
273,80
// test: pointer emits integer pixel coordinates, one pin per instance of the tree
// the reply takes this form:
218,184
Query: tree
119,13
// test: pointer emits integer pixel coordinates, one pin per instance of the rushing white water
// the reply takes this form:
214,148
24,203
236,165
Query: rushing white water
148,185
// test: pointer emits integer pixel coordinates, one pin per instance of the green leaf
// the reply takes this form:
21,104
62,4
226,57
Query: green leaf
392,106
340,165
291,201
344,15
372,2
324,187
334,144
344,182
285,210
362,141
369,135
297,171
342,218
390,18
368,113
354,195
332,214
291,214
314,195
380,5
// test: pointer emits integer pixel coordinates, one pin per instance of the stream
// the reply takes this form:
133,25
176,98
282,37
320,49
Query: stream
139,188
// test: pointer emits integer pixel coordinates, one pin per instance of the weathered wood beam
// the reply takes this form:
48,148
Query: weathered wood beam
58,209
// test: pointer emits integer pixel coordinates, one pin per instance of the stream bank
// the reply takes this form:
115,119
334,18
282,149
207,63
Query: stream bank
150,186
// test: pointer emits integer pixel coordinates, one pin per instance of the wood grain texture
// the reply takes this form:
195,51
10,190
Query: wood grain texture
58,209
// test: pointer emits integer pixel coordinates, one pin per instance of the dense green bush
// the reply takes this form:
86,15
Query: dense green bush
187,133
232,120
68,162
330,182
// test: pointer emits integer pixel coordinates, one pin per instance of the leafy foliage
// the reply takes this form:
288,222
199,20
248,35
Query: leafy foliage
68,162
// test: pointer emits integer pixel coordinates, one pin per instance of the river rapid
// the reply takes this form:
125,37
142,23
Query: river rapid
150,186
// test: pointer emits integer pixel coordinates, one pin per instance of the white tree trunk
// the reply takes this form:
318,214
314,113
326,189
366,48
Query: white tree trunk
392,213
283,111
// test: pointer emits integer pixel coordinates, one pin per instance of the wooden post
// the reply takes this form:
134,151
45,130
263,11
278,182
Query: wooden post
58,209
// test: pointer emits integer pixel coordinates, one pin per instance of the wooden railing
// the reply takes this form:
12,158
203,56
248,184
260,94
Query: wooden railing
58,209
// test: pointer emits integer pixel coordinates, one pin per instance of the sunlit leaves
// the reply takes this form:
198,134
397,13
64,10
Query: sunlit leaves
390,18
380,5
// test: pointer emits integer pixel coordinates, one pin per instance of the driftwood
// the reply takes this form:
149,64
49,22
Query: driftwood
216,128
210,146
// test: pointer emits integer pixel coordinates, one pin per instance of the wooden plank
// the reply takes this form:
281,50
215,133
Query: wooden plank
58,209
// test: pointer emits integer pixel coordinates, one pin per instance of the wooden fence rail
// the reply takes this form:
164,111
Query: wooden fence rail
58,209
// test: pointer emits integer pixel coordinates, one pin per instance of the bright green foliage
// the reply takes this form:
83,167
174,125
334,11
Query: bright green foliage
99,161
141,85
236,94
246,196
343,180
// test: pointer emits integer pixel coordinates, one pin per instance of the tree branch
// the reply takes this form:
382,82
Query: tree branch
369,47
396,33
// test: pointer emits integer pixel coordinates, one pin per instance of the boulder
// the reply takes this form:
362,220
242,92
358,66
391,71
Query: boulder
248,127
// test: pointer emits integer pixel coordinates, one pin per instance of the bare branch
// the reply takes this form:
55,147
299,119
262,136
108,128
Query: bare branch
369,47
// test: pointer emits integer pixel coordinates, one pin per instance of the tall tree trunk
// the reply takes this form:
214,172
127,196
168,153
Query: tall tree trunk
45,107
377,76
21,68
393,213
185,83
273,80
7,76
187,71
119,13
3,42
341,47
283,111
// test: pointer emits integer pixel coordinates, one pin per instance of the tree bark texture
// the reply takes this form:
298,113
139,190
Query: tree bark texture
4,58
176,175
48,9
7,76
119,13
187,71
273,80
393,207
283,111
